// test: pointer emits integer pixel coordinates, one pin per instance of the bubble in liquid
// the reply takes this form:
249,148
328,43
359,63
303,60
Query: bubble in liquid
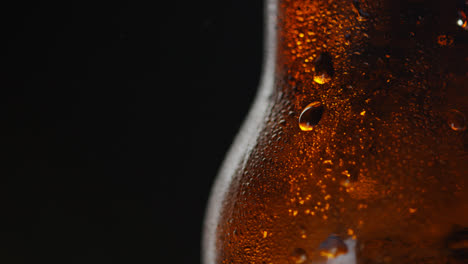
310,116
323,67
332,247
456,120
298,256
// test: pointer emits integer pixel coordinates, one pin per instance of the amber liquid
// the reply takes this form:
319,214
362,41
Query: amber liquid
361,152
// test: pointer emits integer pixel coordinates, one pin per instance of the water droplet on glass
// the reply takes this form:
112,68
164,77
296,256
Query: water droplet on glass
324,70
303,230
332,247
322,78
462,20
310,116
298,256
456,120
345,183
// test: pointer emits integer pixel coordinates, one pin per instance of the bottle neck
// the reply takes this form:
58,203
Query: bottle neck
246,138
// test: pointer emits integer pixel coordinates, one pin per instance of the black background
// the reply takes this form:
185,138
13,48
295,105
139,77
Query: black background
115,119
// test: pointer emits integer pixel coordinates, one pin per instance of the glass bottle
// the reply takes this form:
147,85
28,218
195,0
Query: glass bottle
355,149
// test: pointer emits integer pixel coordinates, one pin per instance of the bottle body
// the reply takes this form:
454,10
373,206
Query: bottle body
355,150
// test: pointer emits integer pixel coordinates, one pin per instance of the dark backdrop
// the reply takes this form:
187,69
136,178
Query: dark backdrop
114,120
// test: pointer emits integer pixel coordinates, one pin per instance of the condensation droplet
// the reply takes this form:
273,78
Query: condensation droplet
322,78
310,116
332,247
323,68
303,230
456,120
345,183
462,20
298,256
